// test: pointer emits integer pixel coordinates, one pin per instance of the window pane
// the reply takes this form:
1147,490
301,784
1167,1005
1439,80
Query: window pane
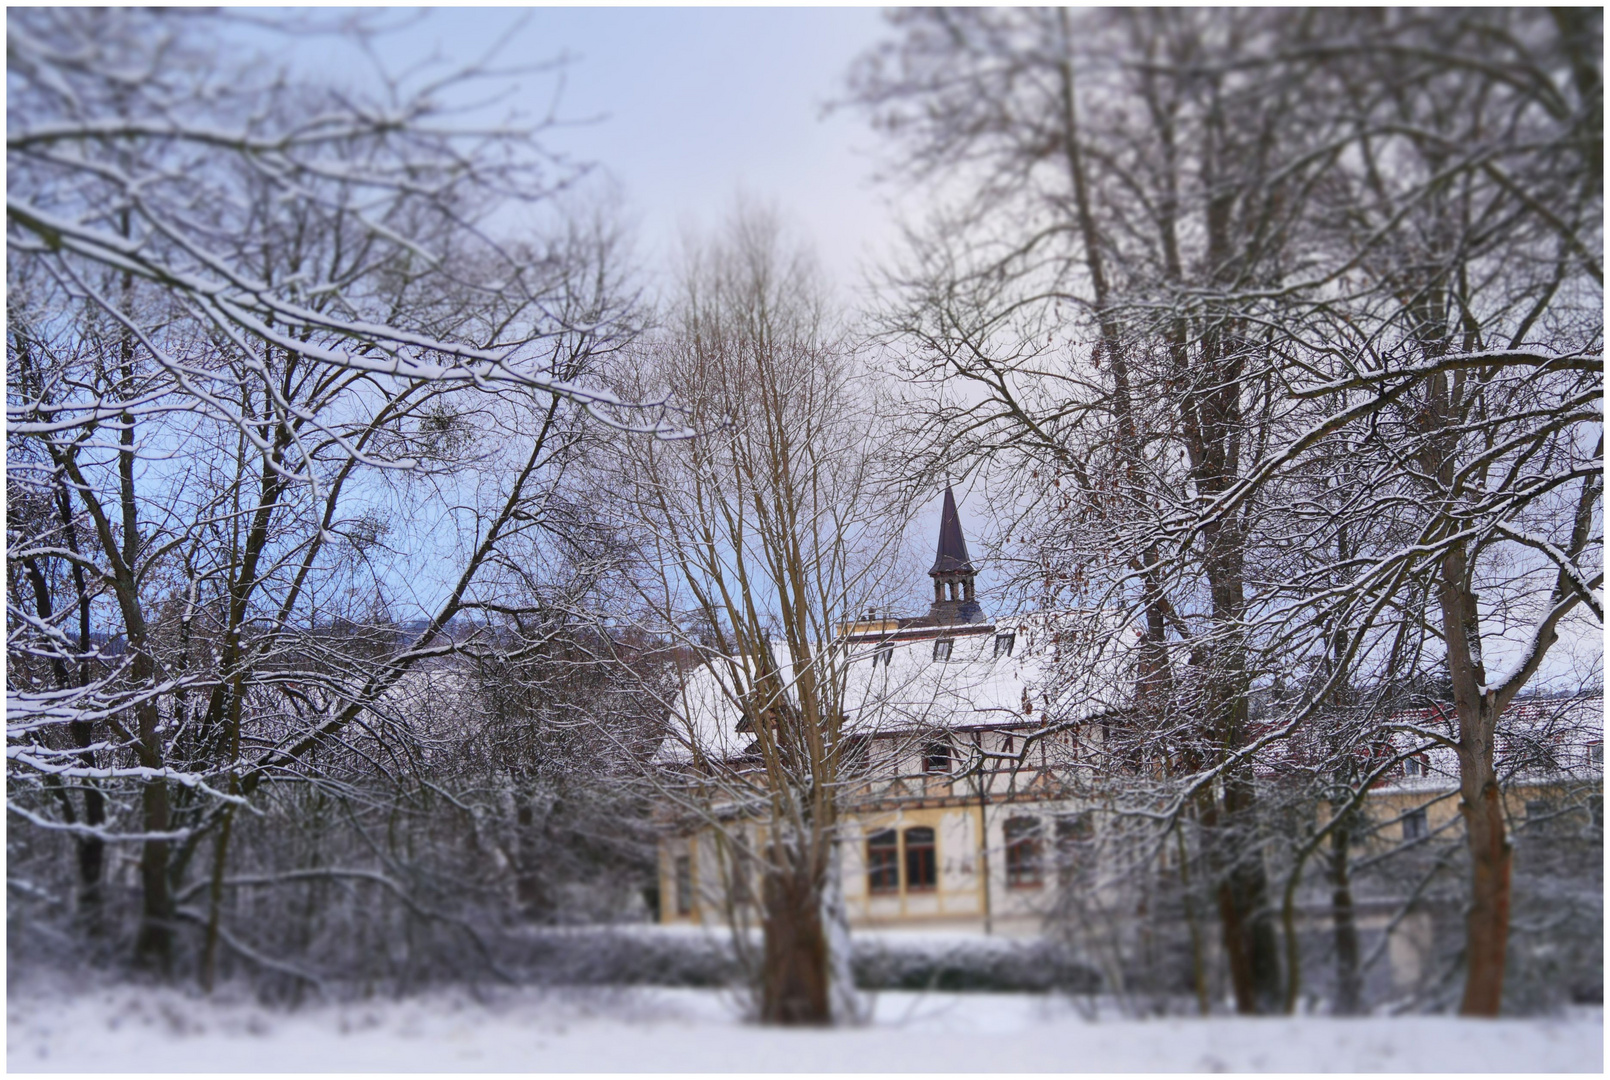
684,885
1414,824
1004,643
1023,850
920,865
1075,848
853,754
739,869
942,649
883,862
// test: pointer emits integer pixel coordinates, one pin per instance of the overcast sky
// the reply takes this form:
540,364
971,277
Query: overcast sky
689,106
684,108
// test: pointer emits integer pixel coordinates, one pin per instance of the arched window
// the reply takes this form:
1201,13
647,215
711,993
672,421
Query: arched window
1024,853
883,862
921,867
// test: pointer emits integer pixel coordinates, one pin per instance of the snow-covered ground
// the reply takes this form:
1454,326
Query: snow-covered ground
53,1028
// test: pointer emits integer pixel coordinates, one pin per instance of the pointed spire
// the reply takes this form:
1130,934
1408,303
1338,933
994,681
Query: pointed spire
952,557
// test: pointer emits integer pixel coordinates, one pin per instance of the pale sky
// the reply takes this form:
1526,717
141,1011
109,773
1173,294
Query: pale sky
683,109
690,106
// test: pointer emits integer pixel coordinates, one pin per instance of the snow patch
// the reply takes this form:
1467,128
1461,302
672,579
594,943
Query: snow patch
125,1028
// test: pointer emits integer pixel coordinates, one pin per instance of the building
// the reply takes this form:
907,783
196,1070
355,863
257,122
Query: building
964,783
979,800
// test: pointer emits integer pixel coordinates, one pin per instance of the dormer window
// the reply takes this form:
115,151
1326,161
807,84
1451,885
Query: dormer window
942,649
1004,642
1414,766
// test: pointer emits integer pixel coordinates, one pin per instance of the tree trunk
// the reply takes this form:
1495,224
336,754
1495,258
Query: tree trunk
215,901
91,850
1346,930
794,977
1251,948
1481,805
843,998
153,947
1250,943
1487,925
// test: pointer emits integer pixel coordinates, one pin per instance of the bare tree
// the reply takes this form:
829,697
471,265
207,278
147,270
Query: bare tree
1199,259
770,535
254,322
1467,386
1127,183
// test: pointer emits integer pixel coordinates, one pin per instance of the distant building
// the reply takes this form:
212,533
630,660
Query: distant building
950,822
978,800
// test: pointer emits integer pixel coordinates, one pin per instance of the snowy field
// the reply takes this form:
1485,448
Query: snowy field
663,1030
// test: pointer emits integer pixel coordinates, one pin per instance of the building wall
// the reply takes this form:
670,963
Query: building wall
958,899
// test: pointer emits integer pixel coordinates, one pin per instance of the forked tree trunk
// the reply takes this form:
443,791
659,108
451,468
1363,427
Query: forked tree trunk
795,983
1250,946
1251,949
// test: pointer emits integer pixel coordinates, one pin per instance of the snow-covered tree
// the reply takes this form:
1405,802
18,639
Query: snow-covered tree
1284,328
260,328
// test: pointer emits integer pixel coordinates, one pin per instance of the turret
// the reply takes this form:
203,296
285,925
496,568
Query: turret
953,572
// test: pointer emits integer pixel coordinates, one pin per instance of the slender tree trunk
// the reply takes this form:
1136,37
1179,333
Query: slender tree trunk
215,900
1348,996
90,850
1198,960
1487,924
153,945
1481,802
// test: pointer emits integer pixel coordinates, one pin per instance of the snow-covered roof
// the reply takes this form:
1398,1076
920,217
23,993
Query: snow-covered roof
902,681
1538,739
1535,739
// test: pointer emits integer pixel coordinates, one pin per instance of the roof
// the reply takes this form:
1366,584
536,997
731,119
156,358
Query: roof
952,556
896,683
1537,739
